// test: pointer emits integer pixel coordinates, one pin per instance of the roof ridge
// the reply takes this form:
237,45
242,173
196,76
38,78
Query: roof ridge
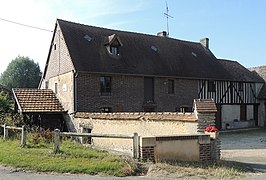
128,31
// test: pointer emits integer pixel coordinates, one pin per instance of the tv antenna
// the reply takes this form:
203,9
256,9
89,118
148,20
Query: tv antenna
167,17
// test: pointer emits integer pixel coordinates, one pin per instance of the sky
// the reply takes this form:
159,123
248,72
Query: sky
236,28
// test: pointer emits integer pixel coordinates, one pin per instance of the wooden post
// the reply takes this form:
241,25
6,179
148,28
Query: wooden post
23,136
5,132
135,146
56,141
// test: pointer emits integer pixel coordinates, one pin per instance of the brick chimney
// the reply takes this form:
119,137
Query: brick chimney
162,34
205,42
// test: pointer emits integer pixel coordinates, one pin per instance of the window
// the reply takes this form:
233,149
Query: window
105,83
211,86
114,50
106,109
55,88
46,85
171,86
240,86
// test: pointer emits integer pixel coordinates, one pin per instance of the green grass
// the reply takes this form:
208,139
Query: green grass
74,158
219,170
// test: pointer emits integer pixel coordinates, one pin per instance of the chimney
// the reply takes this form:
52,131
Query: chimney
205,42
162,34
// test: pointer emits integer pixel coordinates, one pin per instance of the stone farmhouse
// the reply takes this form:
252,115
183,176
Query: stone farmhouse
92,69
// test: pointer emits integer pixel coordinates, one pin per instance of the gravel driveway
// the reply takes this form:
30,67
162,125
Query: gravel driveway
247,146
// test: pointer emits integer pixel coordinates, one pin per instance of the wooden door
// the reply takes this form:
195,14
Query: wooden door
148,89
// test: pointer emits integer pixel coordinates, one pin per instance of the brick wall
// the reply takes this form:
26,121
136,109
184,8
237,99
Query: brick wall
127,94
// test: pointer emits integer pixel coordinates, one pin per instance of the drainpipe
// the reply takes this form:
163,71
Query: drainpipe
75,105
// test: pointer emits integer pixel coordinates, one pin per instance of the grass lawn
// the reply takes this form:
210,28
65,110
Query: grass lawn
74,158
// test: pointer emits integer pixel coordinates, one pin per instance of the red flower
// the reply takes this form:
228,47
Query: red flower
211,129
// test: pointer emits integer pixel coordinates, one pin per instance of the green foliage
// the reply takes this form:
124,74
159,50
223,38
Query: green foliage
6,103
42,137
74,158
13,119
21,72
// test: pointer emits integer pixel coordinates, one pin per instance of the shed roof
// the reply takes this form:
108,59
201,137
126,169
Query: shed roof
37,100
205,106
143,54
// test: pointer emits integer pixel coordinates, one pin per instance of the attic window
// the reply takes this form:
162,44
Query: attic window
87,37
113,45
114,50
194,54
154,48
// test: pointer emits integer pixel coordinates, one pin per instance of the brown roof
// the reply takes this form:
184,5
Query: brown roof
37,100
239,72
141,54
205,106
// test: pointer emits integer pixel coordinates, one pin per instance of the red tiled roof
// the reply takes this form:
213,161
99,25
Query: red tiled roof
205,106
37,100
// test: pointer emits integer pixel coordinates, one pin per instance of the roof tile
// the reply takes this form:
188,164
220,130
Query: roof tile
37,100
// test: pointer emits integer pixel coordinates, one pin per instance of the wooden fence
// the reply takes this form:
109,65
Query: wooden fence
22,129
134,137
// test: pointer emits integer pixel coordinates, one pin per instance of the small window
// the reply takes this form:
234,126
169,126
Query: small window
171,86
88,37
55,88
46,85
114,50
105,83
211,86
240,86
106,109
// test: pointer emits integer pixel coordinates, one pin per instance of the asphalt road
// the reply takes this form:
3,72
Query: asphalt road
248,147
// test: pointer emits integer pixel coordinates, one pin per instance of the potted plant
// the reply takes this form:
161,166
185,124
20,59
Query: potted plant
212,131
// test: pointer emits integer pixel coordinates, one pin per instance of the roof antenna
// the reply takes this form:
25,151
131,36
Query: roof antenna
167,17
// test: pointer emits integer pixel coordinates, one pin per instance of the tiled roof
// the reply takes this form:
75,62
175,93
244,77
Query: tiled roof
142,54
37,100
205,106
239,72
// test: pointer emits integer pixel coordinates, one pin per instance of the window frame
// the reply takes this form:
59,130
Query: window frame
211,86
171,86
114,50
105,85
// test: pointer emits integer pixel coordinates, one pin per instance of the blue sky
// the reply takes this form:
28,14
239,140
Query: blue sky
236,28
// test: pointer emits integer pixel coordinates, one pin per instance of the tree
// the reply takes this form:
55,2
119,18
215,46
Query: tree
6,103
21,72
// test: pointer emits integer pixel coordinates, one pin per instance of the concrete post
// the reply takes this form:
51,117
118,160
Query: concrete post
23,136
5,132
136,146
56,141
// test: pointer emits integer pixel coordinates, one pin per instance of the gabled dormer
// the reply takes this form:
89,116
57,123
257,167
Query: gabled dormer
113,45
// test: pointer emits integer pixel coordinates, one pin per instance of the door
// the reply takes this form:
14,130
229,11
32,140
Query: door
148,89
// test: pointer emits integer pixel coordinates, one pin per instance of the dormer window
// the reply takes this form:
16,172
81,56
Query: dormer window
114,50
113,45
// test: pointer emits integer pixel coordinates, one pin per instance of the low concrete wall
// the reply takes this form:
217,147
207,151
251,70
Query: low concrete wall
198,147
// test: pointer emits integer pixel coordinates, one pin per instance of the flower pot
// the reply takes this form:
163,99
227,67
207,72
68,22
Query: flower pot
213,135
